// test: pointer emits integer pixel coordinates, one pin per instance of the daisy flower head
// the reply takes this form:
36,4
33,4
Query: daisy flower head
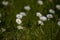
19,16
51,11
58,23
18,21
23,13
49,16
5,3
43,18
20,27
40,22
27,8
40,2
38,14
58,7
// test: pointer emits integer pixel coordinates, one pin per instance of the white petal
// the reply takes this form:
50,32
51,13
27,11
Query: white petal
18,21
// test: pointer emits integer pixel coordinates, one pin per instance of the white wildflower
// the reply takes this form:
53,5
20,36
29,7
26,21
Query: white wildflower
18,21
27,8
5,3
43,18
49,16
23,13
19,16
51,11
40,22
58,7
38,14
58,23
20,27
40,2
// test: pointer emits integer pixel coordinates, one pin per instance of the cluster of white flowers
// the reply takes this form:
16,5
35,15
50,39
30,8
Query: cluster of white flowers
5,3
38,14
40,2
43,18
18,19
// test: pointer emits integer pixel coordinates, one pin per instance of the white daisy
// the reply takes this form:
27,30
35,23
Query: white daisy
51,11
58,23
19,16
18,21
58,7
38,14
43,18
27,8
5,3
3,29
40,2
23,13
20,27
49,16
40,22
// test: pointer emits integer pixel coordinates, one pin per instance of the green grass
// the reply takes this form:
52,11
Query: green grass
32,30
